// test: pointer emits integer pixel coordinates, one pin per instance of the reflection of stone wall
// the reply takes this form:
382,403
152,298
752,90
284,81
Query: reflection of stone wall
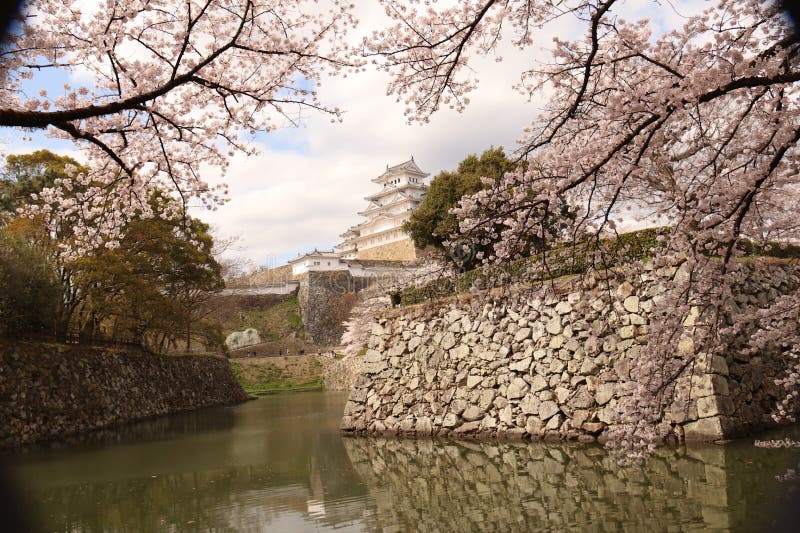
553,364
428,485
435,485
402,250
52,391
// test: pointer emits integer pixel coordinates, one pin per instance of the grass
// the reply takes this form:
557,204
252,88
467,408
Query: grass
269,375
276,318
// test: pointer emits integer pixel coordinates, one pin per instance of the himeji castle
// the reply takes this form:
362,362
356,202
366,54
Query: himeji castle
380,237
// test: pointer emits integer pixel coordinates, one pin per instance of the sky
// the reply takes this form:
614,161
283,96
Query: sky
308,183
306,186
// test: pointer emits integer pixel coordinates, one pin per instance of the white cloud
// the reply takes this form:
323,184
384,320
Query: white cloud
283,202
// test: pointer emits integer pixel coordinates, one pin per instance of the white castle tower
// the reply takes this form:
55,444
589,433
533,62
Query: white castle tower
379,237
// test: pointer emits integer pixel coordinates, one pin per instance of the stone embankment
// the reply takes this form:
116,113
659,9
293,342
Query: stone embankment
555,363
325,302
341,374
50,391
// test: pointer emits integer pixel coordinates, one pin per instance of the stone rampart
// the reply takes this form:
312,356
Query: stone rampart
325,302
402,250
554,362
50,391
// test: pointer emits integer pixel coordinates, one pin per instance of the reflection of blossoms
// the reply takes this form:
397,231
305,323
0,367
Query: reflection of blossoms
791,474
779,443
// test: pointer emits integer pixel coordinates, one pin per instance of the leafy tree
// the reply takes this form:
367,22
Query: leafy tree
22,182
146,287
29,290
434,223
149,289
28,174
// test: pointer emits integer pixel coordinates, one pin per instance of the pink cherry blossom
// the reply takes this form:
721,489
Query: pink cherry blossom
696,126
171,85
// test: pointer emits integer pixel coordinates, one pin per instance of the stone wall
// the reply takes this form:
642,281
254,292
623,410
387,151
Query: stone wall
50,391
341,374
402,250
325,302
226,304
322,305
553,363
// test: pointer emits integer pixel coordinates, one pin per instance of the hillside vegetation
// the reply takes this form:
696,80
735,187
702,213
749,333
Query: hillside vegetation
267,375
276,317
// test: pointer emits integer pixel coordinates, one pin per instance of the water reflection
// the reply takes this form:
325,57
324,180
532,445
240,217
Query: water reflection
437,486
276,463
279,464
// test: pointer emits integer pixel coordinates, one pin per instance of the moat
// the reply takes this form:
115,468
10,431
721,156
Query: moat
280,464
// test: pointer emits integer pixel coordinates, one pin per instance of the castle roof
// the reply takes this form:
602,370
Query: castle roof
328,254
407,167
396,191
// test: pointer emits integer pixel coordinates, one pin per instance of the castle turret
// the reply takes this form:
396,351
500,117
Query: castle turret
380,236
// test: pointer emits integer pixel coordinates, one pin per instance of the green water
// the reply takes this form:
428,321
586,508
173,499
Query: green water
279,464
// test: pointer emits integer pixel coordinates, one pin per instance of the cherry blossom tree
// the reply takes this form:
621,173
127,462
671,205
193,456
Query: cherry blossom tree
170,87
696,125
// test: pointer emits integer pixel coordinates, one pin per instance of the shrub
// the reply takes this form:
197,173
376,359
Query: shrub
30,292
574,259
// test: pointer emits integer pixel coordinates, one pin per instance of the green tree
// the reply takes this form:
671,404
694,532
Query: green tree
149,287
22,177
27,174
432,223
29,289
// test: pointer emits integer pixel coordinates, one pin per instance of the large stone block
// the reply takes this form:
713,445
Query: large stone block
631,304
713,406
516,389
240,339
604,393
709,384
472,412
705,429
553,326
547,409
522,334
523,365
